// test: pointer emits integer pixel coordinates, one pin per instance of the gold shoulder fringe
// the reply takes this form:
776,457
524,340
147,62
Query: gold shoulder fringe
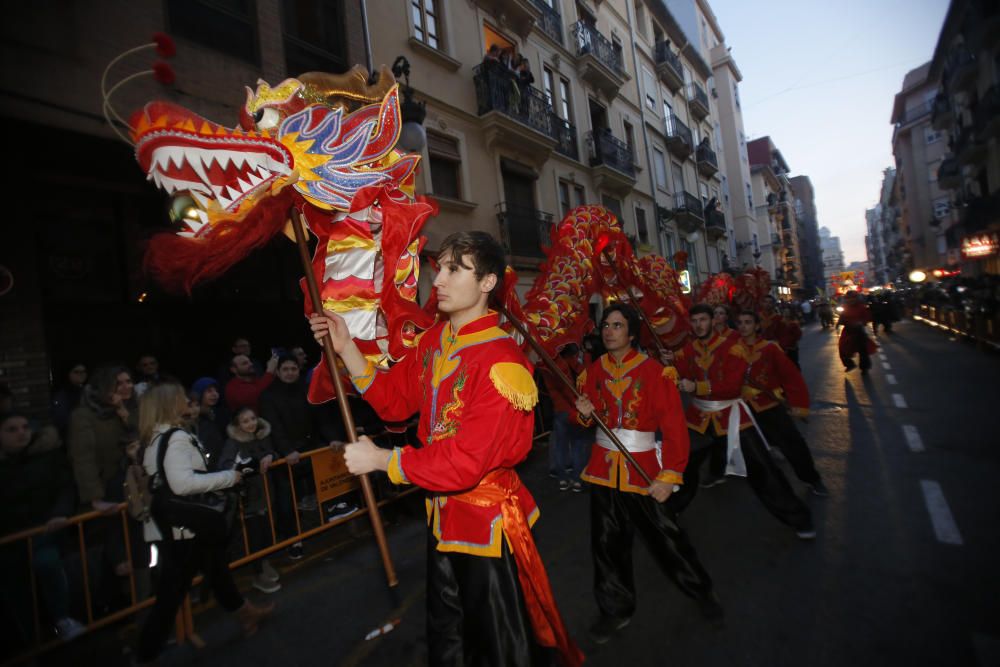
515,383
670,373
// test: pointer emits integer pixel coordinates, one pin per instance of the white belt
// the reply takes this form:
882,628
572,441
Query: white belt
634,441
735,463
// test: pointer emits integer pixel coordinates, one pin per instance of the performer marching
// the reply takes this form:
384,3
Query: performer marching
636,396
854,338
487,588
712,369
771,377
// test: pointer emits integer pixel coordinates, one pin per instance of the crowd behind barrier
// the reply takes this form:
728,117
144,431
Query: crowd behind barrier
72,559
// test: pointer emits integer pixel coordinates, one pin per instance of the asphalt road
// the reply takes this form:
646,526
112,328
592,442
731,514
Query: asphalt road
903,570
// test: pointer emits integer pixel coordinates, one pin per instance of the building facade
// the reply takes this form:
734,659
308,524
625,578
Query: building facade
808,232
833,258
771,195
84,208
919,149
967,108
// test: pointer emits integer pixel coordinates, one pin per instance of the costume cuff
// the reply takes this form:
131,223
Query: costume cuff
670,477
702,388
395,468
585,421
363,381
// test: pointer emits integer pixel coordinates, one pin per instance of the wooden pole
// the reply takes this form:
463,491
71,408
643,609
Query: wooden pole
330,356
550,362
635,302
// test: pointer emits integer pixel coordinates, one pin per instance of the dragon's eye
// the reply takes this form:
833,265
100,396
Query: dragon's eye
266,118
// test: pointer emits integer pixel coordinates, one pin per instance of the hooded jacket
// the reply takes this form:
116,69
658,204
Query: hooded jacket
256,446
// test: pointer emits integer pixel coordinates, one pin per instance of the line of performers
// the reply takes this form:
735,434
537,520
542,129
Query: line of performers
489,601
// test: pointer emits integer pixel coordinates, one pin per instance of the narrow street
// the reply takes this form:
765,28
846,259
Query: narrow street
902,571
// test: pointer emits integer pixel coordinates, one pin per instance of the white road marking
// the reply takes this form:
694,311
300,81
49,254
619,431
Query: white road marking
886,366
945,528
913,438
891,378
899,401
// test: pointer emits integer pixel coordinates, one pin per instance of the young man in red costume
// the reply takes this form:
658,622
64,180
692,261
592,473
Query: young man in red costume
854,338
771,379
488,596
635,396
712,369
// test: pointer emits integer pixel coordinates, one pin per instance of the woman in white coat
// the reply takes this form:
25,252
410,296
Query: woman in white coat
199,545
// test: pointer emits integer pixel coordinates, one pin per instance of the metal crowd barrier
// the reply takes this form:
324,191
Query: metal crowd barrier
984,330
331,480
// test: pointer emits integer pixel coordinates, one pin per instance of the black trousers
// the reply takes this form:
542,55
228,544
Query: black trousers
763,475
614,518
476,613
781,432
180,561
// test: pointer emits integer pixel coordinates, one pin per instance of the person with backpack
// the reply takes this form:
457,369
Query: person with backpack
191,533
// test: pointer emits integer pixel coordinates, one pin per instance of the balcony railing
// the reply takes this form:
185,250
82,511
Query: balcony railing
949,174
668,64
941,113
959,68
525,231
551,22
775,239
679,139
986,117
915,113
698,100
715,223
708,163
590,41
686,205
608,150
566,138
497,90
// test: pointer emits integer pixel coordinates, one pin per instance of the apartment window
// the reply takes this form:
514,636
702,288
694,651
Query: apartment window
613,205
671,246
564,201
749,196
426,22
630,138
931,135
548,82
657,34
640,225
743,139
314,36
696,133
564,99
677,173
660,167
446,165
942,207
649,89
736,95
703,192
640,18
692,260
229,27
580,194
616,46
668,115
714,261
932,171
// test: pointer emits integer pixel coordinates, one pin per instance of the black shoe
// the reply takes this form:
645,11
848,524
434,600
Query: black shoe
295,552
604,627
819,488
712,611
806,534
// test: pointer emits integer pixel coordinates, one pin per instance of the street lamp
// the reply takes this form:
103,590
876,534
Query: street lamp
412,137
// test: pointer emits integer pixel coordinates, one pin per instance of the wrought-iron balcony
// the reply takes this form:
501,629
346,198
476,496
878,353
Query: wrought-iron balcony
525,232
668,67
566,143
960,69
986,116
775,239
916,113
599,62
679,139
519,15
688,212
981,212
708,163
612,161
550,22
941,112
715,224
514,116
698,101
966,147
950,174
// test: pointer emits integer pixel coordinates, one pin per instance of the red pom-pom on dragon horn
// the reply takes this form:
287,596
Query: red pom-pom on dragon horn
164,73
165,45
